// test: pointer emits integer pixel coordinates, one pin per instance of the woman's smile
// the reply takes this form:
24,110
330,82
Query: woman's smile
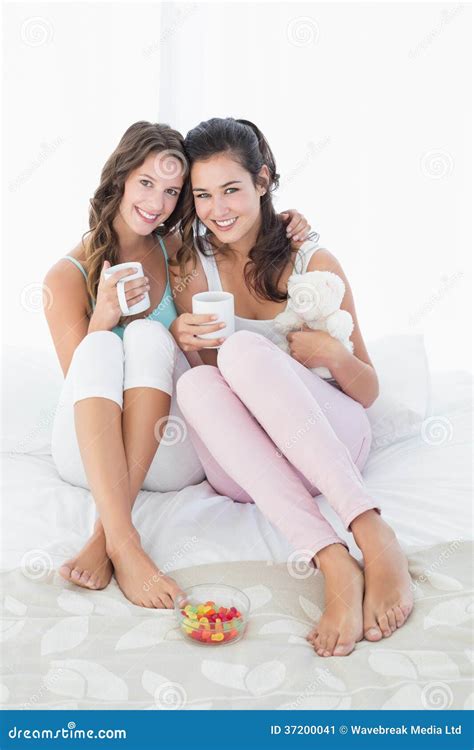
149,218
225,224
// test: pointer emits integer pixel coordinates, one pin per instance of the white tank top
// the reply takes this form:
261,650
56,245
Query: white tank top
264,327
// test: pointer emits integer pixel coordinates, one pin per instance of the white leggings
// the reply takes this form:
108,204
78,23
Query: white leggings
104,366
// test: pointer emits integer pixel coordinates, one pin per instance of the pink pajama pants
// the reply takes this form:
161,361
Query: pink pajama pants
268,430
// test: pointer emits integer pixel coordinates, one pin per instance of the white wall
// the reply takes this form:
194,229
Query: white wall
366,106
76,76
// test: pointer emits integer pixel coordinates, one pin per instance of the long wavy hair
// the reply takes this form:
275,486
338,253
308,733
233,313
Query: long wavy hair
101,241
272,251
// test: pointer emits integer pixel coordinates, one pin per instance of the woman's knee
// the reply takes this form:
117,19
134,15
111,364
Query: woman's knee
193,384
97,367
235,350
150,354
97,347
148,336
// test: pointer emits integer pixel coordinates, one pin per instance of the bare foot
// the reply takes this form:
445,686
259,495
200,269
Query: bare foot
340,626
388,598
91,568
142,582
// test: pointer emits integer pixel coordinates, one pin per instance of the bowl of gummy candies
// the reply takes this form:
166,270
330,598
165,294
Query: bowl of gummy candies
212,614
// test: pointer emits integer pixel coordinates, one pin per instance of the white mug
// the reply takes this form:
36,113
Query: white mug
139,306
216,303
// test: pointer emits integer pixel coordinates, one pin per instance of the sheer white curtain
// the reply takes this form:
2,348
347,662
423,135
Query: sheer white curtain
367,109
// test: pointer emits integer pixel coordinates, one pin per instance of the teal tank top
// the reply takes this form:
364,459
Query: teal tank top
165,312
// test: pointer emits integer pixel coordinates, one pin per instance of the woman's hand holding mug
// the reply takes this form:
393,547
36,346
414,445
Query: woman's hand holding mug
196,330
188,326
107,311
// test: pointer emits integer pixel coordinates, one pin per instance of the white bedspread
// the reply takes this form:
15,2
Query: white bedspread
70,648
424,488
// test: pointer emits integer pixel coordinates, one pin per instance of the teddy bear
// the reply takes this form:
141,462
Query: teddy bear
314,300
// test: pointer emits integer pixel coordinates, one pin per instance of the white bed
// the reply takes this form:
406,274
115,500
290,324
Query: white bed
65,647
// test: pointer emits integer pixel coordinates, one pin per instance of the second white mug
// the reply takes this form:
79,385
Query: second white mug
216,303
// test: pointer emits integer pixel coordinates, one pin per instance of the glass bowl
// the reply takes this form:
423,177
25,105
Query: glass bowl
201,621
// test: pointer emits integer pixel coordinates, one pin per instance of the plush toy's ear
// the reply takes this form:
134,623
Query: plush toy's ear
335,283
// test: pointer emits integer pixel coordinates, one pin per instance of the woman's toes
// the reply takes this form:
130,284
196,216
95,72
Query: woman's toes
65,572
343,649
330,644
399,616
85,575
167,601
76,574
372,631
391,620
312,635
322,643
384,626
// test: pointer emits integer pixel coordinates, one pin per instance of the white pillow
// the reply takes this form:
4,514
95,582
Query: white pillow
31,384
32,381
404,378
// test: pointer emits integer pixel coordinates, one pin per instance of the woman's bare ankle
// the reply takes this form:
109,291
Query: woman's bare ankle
328,555
367,524
119,540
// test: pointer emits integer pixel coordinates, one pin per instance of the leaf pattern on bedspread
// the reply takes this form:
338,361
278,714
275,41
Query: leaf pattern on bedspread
65,635
259,680
80,678
451,612
258,595
146,634
71,648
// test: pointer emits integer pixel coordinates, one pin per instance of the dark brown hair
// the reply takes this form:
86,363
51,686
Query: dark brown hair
246,144
141,139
